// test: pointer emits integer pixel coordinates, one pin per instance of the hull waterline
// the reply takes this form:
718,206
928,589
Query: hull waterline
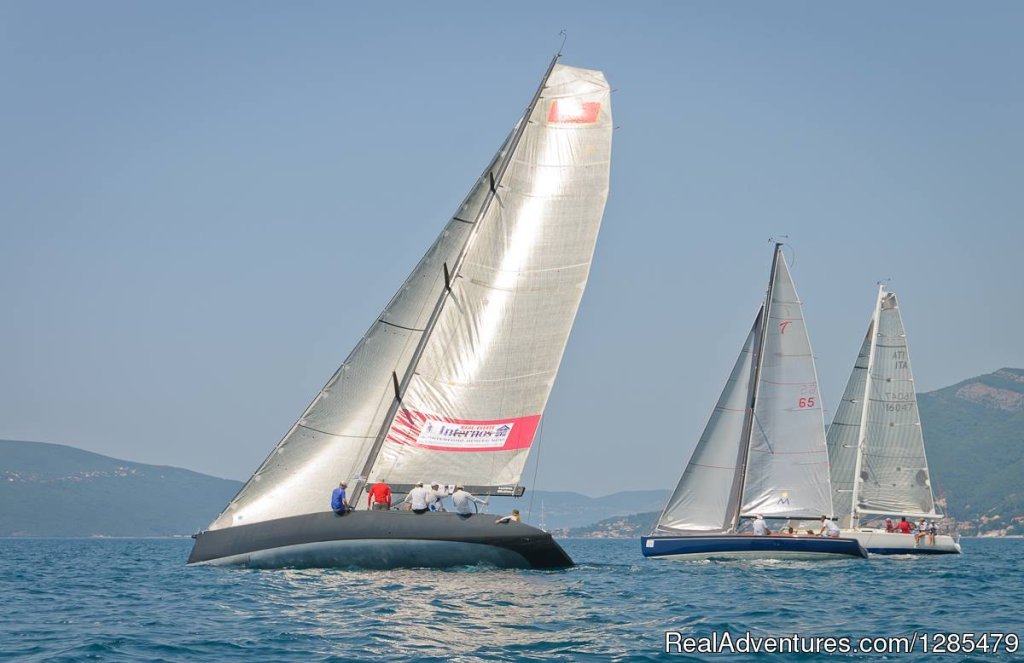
880,542
379,540
747,546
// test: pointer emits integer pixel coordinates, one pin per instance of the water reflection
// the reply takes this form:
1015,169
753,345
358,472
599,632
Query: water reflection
426,612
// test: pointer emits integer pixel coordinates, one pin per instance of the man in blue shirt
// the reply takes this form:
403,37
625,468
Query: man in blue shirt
339,503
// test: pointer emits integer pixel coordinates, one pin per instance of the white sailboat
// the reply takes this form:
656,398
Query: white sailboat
876,443
762,452
451,380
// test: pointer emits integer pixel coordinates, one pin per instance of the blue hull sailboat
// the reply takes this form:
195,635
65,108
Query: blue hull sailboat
762,452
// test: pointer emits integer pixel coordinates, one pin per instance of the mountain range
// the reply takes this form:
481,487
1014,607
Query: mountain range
974,434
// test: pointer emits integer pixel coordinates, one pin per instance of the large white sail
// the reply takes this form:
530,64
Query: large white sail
705,499
474,402
787,465
894,475
844,434
513,230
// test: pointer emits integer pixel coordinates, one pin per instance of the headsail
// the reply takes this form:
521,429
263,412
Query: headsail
894,478
844,433
704,500
787,465
497,345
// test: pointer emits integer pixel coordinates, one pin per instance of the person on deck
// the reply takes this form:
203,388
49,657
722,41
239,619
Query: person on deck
761,527
890,526
417,498
378,497
903,526
920,530
463,501
339,502
514,518
829,528
435,497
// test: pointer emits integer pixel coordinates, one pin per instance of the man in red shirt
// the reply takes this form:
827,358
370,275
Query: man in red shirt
904,526
378,497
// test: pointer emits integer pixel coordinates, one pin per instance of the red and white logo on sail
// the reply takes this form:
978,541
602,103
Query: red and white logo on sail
573,111
419,429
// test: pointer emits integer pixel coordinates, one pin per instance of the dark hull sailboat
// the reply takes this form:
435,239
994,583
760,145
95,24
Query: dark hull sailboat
380,540
450,382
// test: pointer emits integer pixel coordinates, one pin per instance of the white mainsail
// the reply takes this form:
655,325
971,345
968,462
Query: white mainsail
474,337
787,466
889,473
763,450
472,407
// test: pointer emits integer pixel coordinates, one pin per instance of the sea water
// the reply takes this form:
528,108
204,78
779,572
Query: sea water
135,600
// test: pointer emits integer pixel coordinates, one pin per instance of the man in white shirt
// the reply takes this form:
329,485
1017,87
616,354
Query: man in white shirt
417,497
463,501
760,526
435,497
829,528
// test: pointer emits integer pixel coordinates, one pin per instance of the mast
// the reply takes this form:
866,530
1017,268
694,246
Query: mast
862,433
450,275
755,382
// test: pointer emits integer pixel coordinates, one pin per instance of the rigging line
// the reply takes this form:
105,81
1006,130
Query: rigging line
536,467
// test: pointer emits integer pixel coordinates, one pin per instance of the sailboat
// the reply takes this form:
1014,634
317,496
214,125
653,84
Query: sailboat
451,380
762,451
876,443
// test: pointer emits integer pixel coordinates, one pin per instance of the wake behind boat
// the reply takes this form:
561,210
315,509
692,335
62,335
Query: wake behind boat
762,452
450,382
876,444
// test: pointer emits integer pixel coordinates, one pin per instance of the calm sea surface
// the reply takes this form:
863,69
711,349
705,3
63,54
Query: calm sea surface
134,599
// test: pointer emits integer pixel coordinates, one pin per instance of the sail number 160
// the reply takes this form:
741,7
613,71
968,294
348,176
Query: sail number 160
805,402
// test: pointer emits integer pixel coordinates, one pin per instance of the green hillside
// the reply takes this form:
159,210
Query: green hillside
55,490
974,438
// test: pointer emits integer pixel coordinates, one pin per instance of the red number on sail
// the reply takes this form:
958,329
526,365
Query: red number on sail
806,402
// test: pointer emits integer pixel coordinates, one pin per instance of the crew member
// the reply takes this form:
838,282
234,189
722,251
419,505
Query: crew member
339,502
463,501
378,497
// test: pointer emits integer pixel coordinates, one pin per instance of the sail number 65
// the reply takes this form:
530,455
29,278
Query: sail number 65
805,402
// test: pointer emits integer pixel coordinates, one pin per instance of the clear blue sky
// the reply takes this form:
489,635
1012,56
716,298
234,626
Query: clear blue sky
204,205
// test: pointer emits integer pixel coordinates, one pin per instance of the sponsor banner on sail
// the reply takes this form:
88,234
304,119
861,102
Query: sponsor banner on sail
430,431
